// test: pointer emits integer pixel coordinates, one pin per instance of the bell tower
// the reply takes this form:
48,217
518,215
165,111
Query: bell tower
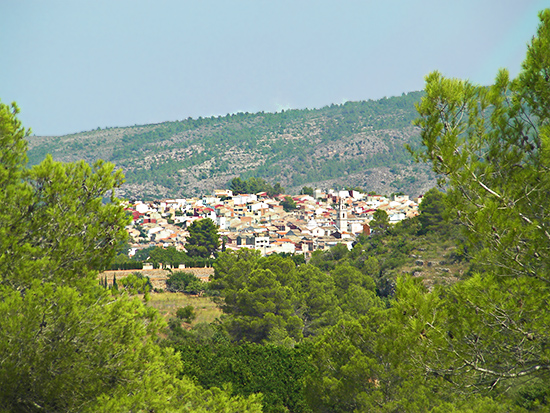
342,220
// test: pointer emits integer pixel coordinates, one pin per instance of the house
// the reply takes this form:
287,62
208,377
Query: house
252,241
258,208
141,207
243,199
219,193
282,246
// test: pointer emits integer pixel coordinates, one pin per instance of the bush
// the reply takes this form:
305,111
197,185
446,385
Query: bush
136,283
186,314
184,282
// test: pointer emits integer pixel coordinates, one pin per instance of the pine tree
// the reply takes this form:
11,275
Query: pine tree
66,344
491,148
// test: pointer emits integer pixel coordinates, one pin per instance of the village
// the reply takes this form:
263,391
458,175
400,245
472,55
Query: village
260,222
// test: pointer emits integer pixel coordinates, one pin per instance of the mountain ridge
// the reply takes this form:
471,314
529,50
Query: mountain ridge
355,144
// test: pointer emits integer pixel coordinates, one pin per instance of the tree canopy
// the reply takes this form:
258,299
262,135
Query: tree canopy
288,204
184,282
203,239
432,211
490,146
253,186
66,343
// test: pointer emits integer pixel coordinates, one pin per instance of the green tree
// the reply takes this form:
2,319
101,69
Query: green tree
307,190
203,239
186,313
276,190
66,344
432,211
327,260
288,204
355,290
375,363
136,283
238,186
363,365
491,146
254,185
380,222
275,371
184,282
270,299
167,256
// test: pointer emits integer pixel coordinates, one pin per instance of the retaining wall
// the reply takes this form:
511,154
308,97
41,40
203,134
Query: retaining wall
158,277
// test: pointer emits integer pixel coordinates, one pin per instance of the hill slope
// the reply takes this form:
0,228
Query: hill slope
353,144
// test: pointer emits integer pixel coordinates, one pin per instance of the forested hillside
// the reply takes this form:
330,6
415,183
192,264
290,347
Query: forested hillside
346,333
356,144
363,330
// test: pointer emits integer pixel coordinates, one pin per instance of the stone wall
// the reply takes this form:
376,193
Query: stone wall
158,277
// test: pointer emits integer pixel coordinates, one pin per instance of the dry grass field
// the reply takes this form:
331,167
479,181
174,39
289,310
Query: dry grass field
168,303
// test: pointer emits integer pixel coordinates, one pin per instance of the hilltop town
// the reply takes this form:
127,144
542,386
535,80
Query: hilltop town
260,222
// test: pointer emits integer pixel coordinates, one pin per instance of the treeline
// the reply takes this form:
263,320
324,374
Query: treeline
166,154
156,256
253,186
284,317
348,331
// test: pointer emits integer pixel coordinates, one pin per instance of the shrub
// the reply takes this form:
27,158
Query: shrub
184,282
186,313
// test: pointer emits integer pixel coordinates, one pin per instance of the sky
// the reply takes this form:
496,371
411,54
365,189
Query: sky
74,66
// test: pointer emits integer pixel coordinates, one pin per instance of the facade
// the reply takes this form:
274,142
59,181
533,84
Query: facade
319,223
342,220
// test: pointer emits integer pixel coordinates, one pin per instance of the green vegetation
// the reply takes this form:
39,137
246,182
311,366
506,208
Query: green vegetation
254,152
254,186
288,204
203,239
186,313
275,371
380,222
184,282
66,343
307,190
490,145
378,340
432,211
167,305
136,283
373,329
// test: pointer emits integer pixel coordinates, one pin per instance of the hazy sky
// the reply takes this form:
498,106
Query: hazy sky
76,65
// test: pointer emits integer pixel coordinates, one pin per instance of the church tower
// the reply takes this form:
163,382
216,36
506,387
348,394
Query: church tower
342,220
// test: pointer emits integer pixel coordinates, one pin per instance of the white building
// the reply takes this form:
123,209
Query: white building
141,207
221,222
244,199
342,219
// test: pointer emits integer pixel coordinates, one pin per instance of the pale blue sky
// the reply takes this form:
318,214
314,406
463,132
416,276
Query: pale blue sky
76,65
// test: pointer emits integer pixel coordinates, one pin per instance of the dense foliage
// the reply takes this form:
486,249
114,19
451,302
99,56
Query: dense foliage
382,341
254,186
360,330
345,143
184,282
203,239
275,371
490,146
66,343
